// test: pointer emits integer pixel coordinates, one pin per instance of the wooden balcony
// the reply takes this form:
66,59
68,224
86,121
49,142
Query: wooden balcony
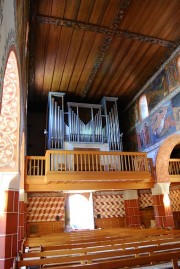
174,170
88,170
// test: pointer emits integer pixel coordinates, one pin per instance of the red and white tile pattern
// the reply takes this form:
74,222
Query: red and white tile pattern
45,208
145,200
175,201
109,205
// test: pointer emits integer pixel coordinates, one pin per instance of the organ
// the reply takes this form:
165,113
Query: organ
82,123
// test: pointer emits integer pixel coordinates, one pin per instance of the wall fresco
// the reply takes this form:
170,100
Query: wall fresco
157,90
162,122
176,110
164,119
144,135
158,126
172,75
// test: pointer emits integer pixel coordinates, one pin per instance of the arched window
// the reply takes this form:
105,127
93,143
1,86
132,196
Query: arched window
143,107
178,65
9,117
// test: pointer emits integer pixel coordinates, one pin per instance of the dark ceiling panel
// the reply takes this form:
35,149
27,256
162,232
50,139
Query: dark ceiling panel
92,48
158,18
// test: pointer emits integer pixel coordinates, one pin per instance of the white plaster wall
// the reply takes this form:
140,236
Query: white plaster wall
7,32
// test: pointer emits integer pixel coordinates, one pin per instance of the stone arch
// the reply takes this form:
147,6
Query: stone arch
10,115
162,159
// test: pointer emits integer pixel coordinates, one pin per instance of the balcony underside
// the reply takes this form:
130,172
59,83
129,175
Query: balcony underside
54,181
174,178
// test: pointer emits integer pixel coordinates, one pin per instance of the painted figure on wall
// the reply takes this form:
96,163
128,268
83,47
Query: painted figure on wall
143,136
176,110
162,122
172,76
157,90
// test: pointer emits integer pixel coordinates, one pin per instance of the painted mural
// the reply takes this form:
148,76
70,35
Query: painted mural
172,75
156,127
166,118
162,122
144,135
176,110
157,90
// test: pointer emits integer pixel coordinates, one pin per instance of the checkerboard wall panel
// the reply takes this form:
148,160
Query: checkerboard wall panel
45,208
108,205
145,200
175,199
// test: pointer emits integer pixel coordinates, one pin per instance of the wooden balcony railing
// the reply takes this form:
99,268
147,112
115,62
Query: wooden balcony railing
174,167
95,161
68,170
35,165
58,161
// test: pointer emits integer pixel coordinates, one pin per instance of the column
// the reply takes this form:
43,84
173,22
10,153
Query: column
162,207
21,218
9,199
132,211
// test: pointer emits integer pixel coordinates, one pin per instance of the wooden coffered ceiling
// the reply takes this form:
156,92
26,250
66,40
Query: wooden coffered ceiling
94,48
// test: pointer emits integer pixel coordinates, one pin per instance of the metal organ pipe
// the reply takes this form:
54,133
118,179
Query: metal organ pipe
93,131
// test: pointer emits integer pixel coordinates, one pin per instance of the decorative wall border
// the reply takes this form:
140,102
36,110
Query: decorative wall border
108,192
10,40
1,15
148,191
46,194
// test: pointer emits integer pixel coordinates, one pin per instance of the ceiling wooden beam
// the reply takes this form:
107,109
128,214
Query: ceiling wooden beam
106,44
104,30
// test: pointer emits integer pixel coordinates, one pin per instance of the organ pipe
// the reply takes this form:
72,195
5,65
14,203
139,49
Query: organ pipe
90,129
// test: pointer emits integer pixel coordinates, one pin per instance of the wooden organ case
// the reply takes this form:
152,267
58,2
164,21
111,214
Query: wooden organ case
83,123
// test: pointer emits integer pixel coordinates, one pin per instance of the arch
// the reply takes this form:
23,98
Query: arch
162,159
143,107
9,117
178,64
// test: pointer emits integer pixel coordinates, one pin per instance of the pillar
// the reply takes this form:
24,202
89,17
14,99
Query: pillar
132,211
21,218
9,199
162,207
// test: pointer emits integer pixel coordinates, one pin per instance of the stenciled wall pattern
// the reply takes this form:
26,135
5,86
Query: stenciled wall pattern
174,198
145,198
108,205
45,207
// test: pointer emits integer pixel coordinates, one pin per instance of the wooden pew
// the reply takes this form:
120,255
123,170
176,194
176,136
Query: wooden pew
100,236
108,241
98,255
